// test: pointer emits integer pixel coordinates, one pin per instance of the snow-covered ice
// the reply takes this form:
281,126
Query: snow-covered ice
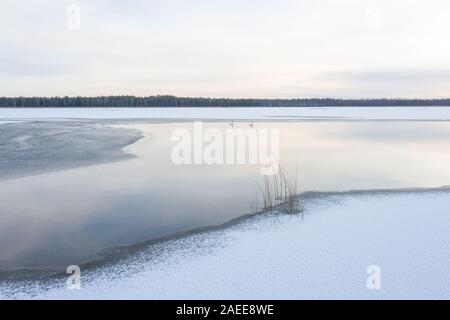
244,113
279,256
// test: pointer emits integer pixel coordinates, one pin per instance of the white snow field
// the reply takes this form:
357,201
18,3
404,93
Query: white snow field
244,113
278,256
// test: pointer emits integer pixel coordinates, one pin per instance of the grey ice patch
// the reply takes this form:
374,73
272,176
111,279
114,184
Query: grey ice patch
38,147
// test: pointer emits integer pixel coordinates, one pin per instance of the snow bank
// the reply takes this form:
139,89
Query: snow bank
301,113
277,256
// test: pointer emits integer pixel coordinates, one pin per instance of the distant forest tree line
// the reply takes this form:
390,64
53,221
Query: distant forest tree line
172,101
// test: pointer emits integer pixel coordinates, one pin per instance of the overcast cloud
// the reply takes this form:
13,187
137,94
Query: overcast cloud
227,48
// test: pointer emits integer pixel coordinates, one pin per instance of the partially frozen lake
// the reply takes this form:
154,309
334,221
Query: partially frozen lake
56,218
329,254
245,113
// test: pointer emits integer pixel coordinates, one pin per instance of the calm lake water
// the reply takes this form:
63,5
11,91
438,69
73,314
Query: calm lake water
66,217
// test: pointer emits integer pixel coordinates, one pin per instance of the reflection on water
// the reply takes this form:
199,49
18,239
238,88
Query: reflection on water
66,217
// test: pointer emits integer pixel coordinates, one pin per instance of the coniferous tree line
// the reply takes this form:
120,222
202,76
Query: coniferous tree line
172,101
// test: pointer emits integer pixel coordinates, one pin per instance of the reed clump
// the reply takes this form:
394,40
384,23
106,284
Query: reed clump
279,191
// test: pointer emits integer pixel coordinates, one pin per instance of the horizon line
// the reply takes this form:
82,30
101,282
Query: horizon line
216,98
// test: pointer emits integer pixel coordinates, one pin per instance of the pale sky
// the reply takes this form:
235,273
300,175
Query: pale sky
226,48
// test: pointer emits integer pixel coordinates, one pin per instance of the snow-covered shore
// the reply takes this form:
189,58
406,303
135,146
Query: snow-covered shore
277,256
244,113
